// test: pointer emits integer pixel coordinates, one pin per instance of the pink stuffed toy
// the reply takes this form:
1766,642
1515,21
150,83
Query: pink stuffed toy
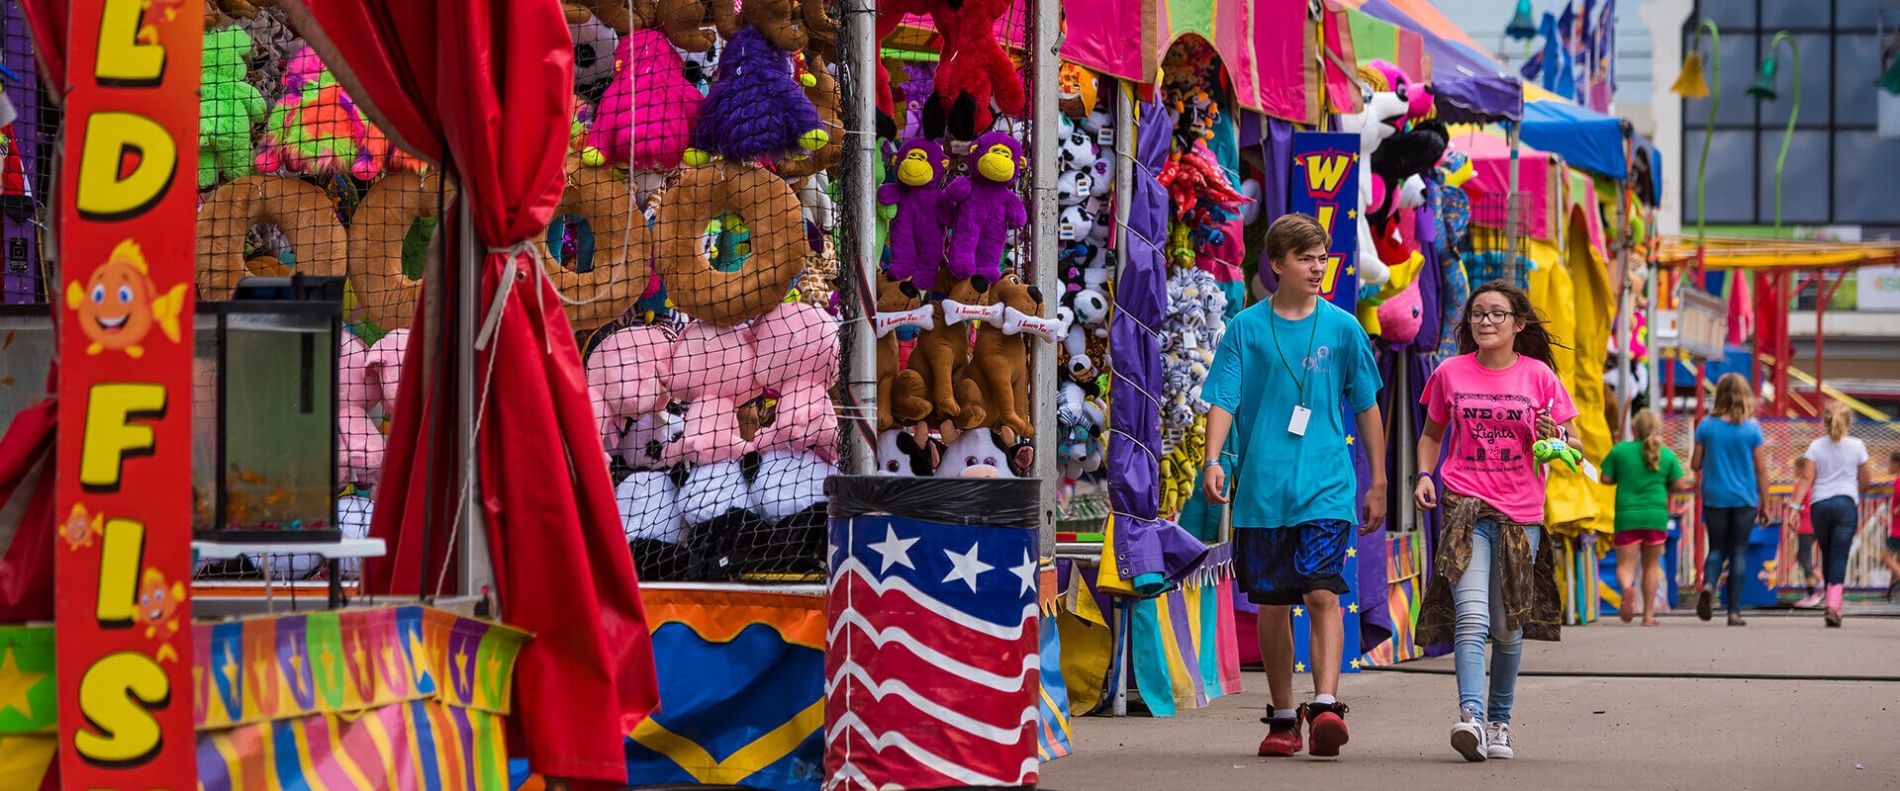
652,132
712,371
917,229
626,375
360,445
384,369
797,348
987,207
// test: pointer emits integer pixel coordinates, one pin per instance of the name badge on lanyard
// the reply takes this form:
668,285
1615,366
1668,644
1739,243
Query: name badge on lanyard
1297,425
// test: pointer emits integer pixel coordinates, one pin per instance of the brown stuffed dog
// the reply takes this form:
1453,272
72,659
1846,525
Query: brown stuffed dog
999,363
781,21
943,352
900,394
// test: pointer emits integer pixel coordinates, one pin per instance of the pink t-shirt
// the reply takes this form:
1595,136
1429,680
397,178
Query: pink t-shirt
1490,420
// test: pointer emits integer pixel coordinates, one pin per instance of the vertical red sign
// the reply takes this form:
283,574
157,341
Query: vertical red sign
127,206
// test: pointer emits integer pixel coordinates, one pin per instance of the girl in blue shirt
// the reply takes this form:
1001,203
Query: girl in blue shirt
1733,468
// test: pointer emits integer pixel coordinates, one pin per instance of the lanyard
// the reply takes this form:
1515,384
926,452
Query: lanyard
1273,326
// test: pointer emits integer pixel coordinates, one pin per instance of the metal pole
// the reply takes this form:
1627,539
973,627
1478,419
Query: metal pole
1625,316
1407,445
860,200
476,574
1511,199
1047,60
1124,171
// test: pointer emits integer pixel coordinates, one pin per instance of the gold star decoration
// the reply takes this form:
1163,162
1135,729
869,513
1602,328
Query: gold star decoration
1352,552
1299,612
1353,607
1352,214
1299,667
1349,439
1356,664
1351,270
15,684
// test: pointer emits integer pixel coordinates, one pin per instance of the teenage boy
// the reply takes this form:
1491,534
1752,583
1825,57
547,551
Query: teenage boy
1277,381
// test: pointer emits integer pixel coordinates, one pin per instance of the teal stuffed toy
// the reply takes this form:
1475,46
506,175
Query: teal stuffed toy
1553,450
228,108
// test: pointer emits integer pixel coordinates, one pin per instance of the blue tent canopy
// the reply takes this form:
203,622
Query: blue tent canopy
1583,137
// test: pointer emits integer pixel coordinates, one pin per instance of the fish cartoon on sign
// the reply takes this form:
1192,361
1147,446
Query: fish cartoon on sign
81,527
119,305
157,609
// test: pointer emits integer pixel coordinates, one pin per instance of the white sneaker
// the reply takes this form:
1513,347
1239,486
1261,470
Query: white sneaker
1468,736
1497,741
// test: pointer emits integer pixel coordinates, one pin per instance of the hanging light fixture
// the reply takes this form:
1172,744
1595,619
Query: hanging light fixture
1764,86
1521,26
1690,83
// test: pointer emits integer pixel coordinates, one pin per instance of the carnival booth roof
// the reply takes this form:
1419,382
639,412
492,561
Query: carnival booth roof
1259,43
1453,53
1583,137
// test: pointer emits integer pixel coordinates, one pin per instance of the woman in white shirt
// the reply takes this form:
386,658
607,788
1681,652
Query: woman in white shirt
1836,476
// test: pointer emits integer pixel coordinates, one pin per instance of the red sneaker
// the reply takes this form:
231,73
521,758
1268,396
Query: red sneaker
1283,738
1328,721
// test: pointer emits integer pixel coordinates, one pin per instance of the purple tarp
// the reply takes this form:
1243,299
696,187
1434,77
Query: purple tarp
19,239
1479,100
1144,544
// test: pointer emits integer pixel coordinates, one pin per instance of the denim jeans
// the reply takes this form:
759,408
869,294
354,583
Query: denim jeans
1835,520
1728,530
1480,607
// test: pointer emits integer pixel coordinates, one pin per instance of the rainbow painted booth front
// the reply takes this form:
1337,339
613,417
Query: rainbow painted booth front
393,698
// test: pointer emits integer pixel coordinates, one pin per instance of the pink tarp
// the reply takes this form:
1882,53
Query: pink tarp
1538,174
1262,43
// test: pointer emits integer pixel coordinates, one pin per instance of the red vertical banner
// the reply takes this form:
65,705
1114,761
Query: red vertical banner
127,206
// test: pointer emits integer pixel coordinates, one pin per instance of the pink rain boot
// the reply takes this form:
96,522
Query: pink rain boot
1835,593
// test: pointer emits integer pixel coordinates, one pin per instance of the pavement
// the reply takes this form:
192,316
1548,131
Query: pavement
1684,705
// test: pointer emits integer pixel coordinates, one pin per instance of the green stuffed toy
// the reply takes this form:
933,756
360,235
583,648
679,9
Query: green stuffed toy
228,108
1551,450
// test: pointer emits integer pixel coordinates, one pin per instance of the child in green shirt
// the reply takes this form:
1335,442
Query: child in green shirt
1643,471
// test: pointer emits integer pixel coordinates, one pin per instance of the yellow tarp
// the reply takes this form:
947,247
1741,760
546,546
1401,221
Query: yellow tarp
1573,294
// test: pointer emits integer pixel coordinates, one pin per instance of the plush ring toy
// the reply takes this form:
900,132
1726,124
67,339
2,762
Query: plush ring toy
621,254
384,294
300,209
770,211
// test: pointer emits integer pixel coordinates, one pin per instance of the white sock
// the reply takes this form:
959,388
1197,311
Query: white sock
1325,699
1286,714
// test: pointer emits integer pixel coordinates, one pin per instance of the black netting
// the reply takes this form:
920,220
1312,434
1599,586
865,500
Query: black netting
27,140
958,313
715,390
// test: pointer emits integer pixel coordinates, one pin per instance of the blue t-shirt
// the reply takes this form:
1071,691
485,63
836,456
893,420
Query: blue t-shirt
1282,479
1728,462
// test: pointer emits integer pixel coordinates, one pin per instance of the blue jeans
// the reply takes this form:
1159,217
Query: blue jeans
1728,531
1480,609
1835,520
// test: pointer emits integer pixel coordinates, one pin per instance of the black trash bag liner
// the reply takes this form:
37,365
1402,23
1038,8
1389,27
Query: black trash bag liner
1000,502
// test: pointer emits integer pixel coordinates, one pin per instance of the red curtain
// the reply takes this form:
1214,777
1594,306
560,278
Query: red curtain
47,19
480,87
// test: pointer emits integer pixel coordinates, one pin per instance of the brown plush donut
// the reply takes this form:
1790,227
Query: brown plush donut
621,253
298,208
384,294
770,211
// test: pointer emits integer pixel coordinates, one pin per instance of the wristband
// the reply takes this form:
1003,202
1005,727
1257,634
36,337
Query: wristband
1210,463
1420,475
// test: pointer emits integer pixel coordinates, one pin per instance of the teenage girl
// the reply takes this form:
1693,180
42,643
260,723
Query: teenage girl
1643,471
1733,469
1837,472
1486,407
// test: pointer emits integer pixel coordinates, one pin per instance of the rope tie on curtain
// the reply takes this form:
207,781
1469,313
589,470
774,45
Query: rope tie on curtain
504,286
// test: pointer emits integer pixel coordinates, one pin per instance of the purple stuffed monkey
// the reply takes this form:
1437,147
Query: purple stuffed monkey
917,230
987,206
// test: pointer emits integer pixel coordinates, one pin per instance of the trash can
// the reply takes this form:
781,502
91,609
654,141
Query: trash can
931,655
1762,545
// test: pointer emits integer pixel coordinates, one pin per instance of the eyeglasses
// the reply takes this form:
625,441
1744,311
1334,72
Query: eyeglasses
1493,317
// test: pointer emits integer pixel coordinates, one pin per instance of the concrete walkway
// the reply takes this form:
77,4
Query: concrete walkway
1574,731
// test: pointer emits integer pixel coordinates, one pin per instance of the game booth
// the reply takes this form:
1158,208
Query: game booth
877,331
